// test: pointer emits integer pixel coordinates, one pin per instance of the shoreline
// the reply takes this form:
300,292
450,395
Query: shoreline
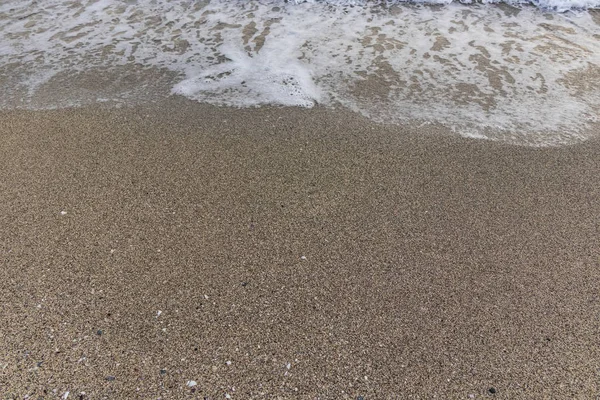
292,253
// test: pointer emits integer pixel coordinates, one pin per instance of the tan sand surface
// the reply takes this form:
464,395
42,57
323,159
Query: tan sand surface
291,254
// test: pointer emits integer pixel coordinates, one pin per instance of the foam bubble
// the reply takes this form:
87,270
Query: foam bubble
252,80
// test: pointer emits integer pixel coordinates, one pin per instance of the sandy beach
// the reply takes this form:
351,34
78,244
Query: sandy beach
181,250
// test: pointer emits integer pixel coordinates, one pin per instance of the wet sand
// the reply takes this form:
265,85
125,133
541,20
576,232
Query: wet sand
291,254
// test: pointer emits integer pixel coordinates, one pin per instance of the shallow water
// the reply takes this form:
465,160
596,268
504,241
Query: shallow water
525,75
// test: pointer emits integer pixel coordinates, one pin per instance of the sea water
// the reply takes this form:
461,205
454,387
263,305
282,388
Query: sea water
527,73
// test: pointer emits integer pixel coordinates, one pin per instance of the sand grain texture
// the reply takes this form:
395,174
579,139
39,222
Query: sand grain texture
433,266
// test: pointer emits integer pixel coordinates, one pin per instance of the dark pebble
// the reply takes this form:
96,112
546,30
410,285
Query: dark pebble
163,371
244,284
110,378
99,332
492,390
360,398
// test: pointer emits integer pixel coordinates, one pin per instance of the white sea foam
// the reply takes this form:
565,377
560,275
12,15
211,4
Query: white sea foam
553,5
484,70
271,76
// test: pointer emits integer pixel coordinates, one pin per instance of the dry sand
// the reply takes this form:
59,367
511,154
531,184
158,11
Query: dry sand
293,254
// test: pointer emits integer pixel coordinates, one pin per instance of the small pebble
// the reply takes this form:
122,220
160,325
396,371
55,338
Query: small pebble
64,213
492,390
163,371
191,383
303,258
244,284
99,332
228,362
110,378
360,398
